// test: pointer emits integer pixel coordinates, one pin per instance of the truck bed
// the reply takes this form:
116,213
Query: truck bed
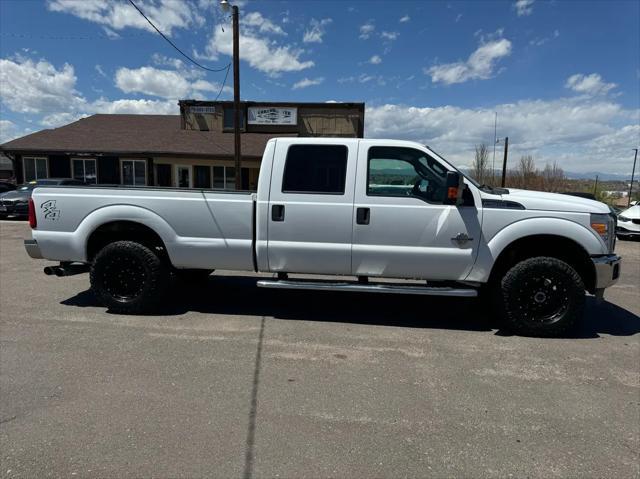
199,228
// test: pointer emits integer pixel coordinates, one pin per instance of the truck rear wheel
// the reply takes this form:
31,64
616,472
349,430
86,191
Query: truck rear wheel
541,296
128,278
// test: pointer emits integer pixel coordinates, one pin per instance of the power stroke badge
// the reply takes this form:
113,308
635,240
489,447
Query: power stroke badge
50,211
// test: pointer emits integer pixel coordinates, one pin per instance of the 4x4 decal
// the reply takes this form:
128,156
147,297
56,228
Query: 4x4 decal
50,210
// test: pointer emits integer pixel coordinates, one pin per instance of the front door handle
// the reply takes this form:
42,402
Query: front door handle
363,215
277,212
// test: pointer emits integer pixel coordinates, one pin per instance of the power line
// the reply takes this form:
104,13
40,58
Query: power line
174,45
223,82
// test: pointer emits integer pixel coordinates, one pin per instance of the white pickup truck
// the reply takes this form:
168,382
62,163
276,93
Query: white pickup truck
373,210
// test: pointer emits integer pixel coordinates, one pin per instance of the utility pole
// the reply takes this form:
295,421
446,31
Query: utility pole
632,173
237,154
504,162
236,97
495,140
595,186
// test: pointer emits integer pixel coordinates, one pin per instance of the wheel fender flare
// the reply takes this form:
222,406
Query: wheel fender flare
130,213
490,250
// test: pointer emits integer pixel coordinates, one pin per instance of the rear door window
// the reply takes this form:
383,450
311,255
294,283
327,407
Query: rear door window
317,169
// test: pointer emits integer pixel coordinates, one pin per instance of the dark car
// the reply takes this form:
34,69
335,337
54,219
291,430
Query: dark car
6,186
16,202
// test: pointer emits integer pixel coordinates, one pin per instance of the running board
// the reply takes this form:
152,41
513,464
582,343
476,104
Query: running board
368,288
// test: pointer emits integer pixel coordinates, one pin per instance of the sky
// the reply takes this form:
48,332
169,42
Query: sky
563,76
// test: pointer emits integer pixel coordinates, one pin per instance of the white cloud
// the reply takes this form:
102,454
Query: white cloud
589,84
307,82
261,52
261,24
479,65
100,71
163,83
317,29
32,87
51,94
583,134
523,7
404,19
389,35
375,60
164,60
167,15
539,41
9,131
367,29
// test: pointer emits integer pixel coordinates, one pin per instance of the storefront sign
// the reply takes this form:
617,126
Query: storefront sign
202,109
272,116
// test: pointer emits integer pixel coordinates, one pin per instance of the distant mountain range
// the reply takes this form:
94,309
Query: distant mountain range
591,175
587,175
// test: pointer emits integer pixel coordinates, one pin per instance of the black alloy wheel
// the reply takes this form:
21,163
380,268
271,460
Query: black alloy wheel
541,296
129,278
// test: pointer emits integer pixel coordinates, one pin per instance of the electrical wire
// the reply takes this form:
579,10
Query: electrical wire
174,45
223,82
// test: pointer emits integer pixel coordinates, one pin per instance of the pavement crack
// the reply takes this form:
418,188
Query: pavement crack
253,411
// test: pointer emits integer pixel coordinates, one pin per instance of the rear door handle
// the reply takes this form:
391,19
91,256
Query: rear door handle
277,212
363,215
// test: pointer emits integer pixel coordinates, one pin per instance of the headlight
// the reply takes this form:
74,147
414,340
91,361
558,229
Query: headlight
603,225
624,219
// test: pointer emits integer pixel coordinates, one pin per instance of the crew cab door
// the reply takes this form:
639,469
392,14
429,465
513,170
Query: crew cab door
311,206
402,228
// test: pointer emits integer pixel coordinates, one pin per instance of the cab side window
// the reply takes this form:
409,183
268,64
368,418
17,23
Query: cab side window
405,172
316,169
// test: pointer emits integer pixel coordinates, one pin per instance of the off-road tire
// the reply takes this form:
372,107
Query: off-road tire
129,278
540,296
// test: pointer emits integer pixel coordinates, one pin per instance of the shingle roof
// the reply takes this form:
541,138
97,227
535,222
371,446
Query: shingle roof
137,134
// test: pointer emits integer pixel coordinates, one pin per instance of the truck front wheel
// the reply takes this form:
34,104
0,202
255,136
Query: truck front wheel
541,296
128,277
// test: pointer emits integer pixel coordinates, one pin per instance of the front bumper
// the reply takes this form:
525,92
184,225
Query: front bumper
607,268
626,232
32,248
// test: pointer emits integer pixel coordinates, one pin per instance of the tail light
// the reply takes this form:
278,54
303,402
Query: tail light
33,222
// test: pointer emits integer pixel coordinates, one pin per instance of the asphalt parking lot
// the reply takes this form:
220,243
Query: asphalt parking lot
239,382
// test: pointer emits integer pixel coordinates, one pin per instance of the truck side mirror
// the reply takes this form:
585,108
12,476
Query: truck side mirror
454,187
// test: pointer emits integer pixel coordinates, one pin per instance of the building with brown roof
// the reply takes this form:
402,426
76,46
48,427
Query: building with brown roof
191,150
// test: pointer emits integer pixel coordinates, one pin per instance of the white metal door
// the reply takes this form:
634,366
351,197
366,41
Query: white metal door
400,228
309,230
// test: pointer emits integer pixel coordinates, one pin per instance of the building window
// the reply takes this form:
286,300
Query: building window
317,169
183,176
224,177
228,119
34,168
201,176
134,172
85,170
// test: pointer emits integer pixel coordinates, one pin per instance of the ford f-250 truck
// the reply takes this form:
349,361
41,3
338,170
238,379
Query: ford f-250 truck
368,209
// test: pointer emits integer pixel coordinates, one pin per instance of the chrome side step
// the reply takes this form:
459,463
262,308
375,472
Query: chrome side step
368,288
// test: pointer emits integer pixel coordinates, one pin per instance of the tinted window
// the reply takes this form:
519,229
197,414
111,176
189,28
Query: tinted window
315,169
201,176
228,119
